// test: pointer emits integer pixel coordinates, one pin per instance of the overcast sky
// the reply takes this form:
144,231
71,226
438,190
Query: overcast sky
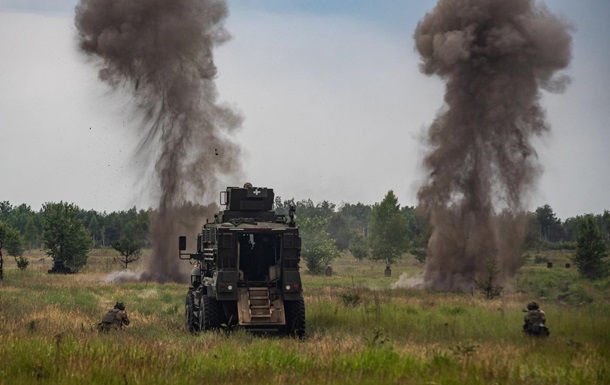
331,95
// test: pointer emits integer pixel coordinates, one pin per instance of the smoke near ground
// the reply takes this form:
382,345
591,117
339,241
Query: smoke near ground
122,276
406,281
161,51
495,57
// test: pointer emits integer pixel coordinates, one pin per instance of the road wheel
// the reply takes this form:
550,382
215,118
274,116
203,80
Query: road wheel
209,317
191,315
295,318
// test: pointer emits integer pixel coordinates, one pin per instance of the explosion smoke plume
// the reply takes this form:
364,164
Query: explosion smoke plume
162,50
494,56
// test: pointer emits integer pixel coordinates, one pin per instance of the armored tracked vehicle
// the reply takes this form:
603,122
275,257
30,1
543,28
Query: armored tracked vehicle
246,267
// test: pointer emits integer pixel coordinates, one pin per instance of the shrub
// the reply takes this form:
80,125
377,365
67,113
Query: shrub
488,284
318,248
539,259
359,247
22,262
350,299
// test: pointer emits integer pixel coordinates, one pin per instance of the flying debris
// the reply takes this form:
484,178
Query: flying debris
495,57
165,49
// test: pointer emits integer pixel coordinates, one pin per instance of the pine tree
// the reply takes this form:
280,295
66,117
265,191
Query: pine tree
591,250
389,230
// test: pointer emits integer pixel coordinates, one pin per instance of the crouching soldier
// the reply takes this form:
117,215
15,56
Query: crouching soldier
535,320
114,319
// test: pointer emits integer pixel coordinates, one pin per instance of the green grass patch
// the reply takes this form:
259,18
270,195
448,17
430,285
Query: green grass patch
359,331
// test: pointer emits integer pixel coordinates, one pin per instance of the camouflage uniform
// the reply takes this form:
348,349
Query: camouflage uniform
533,318
114,319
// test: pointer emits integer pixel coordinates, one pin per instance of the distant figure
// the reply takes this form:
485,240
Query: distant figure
329,270
535,320
114,319
388,271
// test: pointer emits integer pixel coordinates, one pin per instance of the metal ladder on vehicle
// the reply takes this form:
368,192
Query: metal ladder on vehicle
259,303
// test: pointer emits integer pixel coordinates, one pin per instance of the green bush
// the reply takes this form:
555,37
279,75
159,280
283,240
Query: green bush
22,262
539,259
318,248
350,299
359,247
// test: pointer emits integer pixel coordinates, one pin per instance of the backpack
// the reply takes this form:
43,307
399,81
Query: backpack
109,317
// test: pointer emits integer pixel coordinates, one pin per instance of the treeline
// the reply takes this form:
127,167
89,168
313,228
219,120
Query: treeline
104,228
347,225
347,222
546,231
382,231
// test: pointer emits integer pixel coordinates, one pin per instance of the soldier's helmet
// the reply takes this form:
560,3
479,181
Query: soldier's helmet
120,306
532,306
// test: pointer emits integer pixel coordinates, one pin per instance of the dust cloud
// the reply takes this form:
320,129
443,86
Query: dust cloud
406,281
122,276
161,52
495,57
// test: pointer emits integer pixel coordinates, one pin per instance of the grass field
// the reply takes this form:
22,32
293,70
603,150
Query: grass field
359,331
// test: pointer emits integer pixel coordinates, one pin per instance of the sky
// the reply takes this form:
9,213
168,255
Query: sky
334,107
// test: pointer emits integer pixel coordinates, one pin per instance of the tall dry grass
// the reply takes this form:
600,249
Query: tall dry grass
359,331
